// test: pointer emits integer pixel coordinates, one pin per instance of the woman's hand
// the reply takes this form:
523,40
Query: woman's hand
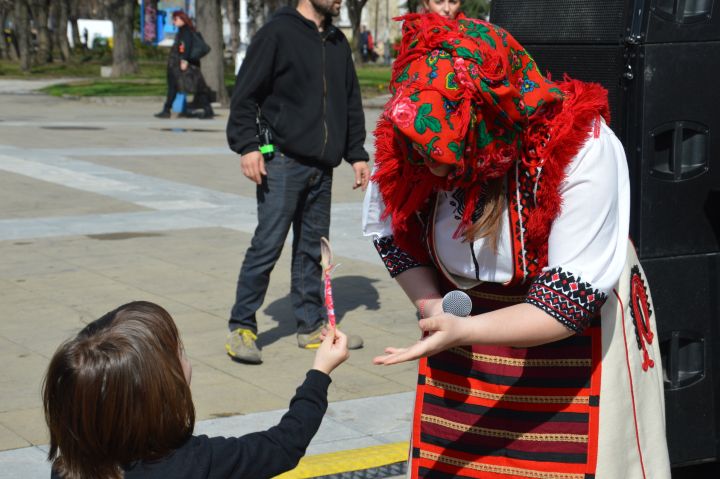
183,65
431,307
444,332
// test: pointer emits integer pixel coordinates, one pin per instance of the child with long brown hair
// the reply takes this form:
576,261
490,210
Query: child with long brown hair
118,404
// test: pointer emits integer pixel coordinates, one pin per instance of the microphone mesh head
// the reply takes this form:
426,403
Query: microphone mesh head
457,303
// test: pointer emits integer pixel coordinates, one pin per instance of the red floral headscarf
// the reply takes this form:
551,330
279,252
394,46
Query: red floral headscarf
465,93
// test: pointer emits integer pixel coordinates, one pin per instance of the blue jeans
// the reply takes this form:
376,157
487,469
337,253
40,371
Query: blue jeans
291,194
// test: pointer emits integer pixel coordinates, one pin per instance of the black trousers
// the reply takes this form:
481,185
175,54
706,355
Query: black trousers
172,90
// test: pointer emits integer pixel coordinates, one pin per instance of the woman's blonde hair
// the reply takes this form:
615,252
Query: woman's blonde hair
488,225
116,394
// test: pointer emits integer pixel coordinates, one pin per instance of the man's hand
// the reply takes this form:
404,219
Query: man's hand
183,65
362,174
253,166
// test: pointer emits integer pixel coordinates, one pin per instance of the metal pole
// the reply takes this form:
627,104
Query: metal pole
244,40
243,23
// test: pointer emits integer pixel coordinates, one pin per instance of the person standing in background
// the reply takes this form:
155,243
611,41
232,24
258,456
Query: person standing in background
183,71
297,78
364,43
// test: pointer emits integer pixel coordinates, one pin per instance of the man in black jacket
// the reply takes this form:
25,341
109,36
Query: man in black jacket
299,73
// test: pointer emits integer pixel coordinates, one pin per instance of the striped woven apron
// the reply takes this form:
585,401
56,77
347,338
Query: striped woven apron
502,412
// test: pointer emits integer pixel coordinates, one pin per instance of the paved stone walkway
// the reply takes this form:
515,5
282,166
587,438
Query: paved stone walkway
101,204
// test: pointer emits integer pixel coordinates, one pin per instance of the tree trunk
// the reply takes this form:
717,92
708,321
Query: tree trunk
22,31
61,26
209,23
52,24
74,14
40,12
4,50
233,8
256,14
122,14
259,11
77,42
355,13
11,48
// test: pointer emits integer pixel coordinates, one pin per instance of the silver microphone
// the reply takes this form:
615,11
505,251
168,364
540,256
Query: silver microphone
458,303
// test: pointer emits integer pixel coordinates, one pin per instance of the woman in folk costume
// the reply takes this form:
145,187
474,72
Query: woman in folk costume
493,179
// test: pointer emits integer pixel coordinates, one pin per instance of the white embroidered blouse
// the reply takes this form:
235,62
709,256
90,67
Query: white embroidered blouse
588,238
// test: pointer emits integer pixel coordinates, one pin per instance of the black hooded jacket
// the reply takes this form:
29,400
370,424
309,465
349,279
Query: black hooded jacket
305,84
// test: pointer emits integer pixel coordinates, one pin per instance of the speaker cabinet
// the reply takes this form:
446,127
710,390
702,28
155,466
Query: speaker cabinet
660,62
673,154
558,60
669,21
686,297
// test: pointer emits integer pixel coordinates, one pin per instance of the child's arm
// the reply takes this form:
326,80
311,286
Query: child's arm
272,452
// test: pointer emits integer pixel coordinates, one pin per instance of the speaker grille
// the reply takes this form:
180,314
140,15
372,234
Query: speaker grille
561,21
604,68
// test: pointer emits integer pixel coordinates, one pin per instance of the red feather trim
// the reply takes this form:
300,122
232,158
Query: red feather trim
568,131
550,139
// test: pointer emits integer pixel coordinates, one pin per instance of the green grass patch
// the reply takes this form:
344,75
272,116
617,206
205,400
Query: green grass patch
373,80
127,86
150,79
104,87
10,69
77,69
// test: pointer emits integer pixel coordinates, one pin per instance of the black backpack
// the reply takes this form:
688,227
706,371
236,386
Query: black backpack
198,47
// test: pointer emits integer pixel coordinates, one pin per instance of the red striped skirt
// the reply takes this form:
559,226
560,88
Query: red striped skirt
500,412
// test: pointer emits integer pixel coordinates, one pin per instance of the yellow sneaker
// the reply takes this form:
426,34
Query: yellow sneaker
240,346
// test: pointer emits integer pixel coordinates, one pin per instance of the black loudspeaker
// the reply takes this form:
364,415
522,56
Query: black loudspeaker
674,114
581,38
660,62
687,305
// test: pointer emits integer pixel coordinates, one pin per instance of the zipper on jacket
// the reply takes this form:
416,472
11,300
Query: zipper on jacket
324,116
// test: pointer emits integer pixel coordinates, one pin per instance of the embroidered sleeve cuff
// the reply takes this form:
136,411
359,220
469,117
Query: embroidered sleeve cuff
566,298
396,260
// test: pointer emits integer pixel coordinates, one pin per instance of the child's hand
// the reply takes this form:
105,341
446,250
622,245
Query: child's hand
332,352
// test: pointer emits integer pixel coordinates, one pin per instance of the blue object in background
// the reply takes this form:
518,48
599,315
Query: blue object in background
169,25
178,105
161,20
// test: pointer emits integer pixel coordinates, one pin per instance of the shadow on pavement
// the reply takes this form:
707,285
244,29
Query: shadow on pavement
349,293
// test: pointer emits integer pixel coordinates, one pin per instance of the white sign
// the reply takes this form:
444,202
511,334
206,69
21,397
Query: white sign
90,30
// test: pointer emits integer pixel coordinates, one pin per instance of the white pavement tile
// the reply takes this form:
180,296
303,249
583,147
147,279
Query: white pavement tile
28,462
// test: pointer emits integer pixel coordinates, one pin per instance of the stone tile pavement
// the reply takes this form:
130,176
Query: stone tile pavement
100,204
